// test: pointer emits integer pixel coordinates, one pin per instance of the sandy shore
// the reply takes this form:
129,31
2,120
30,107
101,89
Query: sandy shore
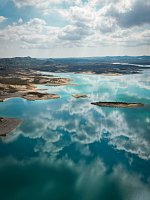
7,125
85,72
104,74
112,74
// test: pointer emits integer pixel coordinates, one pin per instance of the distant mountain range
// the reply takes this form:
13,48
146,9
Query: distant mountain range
117,64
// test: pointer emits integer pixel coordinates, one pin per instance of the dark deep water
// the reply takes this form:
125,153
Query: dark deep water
68,149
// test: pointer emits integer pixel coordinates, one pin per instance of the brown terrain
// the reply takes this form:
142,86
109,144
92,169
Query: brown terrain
24,84
118,104
31,96
7,125
78,96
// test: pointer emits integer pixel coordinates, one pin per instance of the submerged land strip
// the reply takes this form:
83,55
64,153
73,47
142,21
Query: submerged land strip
8,124
118,104
79,96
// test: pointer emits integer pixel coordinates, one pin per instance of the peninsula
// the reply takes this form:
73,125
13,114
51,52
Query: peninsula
23,83
7,125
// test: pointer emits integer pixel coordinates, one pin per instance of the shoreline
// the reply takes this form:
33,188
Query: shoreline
23,84
7,125
118,104
79,96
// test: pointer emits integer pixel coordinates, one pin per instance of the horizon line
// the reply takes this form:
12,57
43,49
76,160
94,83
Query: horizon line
74,57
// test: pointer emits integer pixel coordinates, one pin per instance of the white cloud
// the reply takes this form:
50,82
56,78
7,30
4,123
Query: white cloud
130,13
43,4
20,21
35,34
89,24
2,18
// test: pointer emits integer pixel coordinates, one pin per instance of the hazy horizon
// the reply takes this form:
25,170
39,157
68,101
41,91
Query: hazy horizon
76,57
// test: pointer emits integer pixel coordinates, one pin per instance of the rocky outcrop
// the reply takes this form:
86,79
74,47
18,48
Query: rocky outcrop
7,125
118,104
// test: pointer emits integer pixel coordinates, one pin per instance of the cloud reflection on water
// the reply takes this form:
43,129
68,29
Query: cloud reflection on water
76,142
77,121
63,179
61,128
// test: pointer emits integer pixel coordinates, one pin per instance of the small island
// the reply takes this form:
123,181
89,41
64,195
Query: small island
118,104
32,96
78,96
8,124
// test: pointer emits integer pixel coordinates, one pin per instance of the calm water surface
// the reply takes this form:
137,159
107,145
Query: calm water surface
68,149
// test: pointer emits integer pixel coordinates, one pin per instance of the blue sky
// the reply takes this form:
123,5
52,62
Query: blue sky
74,28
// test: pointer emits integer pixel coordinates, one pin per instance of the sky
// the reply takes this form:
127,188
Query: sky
74,28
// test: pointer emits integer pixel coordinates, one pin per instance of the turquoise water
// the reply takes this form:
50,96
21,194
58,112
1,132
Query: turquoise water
68,149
